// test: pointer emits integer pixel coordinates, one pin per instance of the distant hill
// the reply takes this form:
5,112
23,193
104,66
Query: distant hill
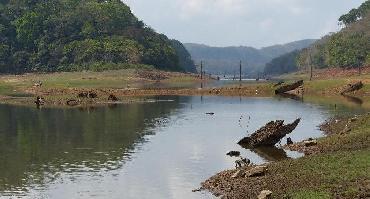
225,60
283,64
70,35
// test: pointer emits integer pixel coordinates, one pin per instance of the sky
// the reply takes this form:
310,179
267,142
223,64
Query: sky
256,23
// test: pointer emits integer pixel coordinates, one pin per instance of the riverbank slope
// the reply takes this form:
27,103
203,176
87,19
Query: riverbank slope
339,167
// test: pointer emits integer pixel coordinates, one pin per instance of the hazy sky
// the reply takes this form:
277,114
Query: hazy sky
255,23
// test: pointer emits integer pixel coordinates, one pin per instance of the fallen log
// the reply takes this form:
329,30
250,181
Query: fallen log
352,87
289,87
269,135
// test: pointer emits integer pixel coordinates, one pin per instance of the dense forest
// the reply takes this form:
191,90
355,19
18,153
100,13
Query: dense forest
225,60
349,47
70,35
283,64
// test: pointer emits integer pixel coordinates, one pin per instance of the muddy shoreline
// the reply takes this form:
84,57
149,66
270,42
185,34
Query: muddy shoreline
60,97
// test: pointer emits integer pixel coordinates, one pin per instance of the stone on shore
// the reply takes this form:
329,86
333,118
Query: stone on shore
309,143
238,174
256,171
265,194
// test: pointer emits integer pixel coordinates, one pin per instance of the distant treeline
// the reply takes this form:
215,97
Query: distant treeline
70,35
350,47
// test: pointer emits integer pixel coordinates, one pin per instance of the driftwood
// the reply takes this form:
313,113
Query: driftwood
269,135
352,87
289,87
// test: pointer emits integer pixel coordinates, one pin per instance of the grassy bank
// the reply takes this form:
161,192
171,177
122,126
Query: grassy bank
57,88
339,168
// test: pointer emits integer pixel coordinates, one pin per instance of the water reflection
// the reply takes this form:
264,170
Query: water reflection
34,142
270,154
160,149
291,96
354,100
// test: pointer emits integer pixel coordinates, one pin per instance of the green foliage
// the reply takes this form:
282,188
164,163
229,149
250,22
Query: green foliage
185,60
348,48
283,64
355,14
28,28
53,35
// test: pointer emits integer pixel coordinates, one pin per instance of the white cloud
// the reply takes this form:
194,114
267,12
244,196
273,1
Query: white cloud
241,22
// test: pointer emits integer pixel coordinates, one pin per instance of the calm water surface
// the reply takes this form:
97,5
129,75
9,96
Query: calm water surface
160,149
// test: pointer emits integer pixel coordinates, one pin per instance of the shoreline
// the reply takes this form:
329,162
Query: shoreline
58,88
346,144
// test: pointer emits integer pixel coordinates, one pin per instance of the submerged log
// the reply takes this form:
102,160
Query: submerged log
289,87
269,135
352,87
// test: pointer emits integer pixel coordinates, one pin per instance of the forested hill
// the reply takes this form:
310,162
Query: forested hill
225,60
68,35
349,47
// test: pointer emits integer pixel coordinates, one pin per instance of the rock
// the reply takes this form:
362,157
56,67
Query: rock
39,101
238,174
269,135
92,95
289,141
309,143
197,190
265,194
242,162
112,98
37,84
352,119
233,153
256,171
83,94
72,102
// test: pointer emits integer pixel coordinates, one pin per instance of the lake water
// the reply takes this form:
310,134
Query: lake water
163,148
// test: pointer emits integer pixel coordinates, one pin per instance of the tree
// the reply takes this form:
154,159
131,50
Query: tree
80,35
